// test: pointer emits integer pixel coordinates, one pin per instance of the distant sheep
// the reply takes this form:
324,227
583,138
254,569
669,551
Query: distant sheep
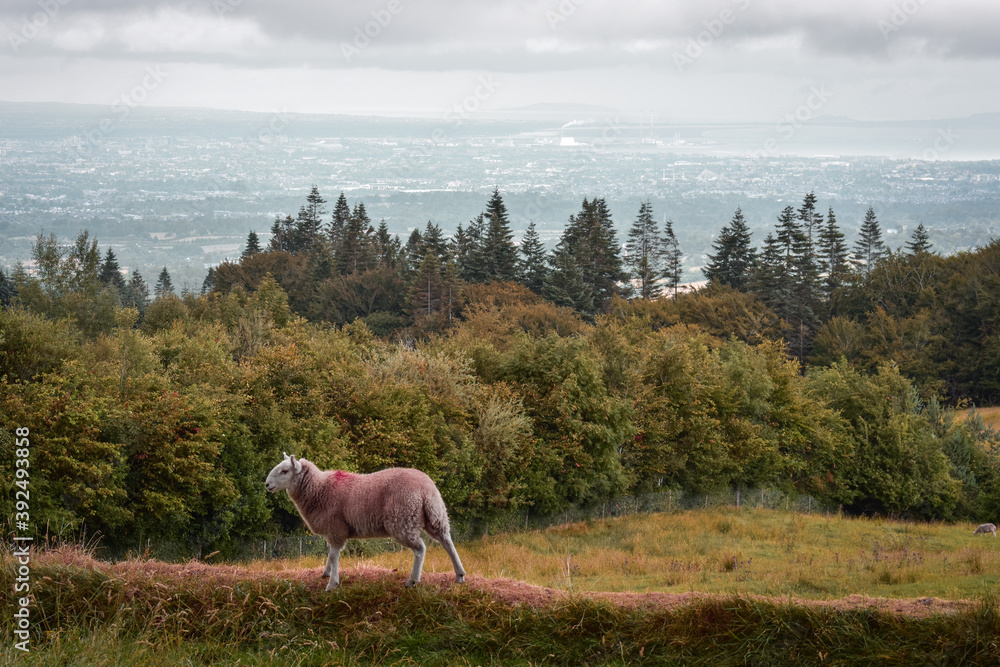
339,505
986,528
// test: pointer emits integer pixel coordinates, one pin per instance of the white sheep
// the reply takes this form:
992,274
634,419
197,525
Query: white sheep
339,505
986,528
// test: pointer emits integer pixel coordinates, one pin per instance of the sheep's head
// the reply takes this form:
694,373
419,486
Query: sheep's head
281,475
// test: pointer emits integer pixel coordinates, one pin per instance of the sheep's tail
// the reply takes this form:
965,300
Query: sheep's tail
435,515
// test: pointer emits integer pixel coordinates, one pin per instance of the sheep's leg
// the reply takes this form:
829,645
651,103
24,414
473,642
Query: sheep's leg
419,549
333,565
444,537
449,547
329,550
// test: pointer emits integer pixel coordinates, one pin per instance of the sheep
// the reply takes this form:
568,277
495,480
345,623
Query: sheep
338,505
986,528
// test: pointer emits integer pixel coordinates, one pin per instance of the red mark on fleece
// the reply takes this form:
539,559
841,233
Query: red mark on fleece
340,475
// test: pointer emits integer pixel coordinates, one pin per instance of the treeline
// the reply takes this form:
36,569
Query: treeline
159,419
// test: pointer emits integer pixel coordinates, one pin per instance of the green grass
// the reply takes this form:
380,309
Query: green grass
748,552
148,613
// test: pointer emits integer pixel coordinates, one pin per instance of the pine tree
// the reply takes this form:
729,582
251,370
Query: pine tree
433,241
387,246
833,256
469,254
734,256
644,252
253,246
282,235
413,252
533,268
672,259
355,253
110,273
426,286
136,293
589,238
341,214
919,243
499,255
869,248
7,290
310,220
208,284
769,279
565,284
164,285
809,217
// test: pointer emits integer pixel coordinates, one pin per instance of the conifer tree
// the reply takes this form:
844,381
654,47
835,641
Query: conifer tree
387,246
533,268
413,252
469,254
673,267
810,218
770,276
833,256
355,253
919,243
164,285
136,293
590,241
110,273
734,255
426,287
644,252
282,235
208,284
432,240
341,214
7,290
565,284
253,246
869,248
499,255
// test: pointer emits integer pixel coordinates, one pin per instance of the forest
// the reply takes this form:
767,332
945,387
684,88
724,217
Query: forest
518,379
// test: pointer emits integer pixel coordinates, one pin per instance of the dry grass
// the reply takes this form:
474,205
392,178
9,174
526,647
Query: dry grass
991,416
752,552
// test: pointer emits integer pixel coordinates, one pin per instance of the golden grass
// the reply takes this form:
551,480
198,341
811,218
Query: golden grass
991,416
761,552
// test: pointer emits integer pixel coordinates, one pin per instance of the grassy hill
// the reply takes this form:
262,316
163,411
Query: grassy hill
801,590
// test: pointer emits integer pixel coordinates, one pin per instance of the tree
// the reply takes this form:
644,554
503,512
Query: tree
734,257
565,284
387,246
341,214
7,290
208,284
769,280
869,248
590,240
469,255
499,255
809,217
136,293
644,252
110,273
533,269
672,258
310,219
253,245
833,256
920,242
164,285
355,253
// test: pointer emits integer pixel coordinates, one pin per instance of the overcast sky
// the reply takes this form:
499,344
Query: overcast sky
686,60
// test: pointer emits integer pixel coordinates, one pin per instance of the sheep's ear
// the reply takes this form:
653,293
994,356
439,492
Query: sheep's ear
296,465
286,455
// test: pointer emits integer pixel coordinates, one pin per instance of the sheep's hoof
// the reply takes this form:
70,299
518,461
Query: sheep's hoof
459,578
332,585
410,583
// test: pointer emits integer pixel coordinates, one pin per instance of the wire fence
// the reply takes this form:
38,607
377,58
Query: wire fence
463,529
